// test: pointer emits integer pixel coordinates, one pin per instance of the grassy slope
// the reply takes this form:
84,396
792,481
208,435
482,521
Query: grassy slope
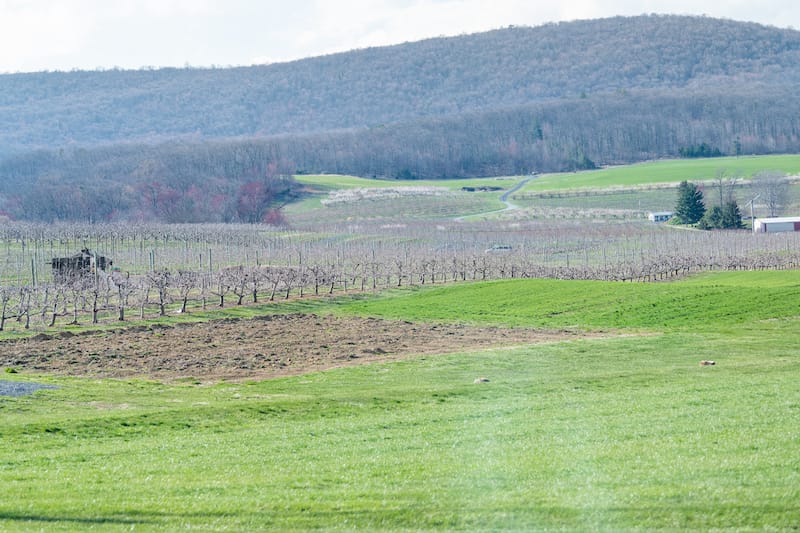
663,171
712,300
619,433
667,171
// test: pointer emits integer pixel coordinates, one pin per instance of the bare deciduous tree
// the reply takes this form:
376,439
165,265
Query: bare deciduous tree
240,279
773,190
5,297
726,186
186,282
161,280
222,283
125,287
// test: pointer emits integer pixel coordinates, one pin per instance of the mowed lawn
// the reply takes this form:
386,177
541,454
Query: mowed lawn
626,432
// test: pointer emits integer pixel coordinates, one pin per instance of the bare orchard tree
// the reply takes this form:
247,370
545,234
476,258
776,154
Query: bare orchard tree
273,277
454,267
143,288
5,297
97,286
317,275
303,278
24,304
55,293
221,285
333,275
352,272
400,270
161,280
31,301
290,276
95,290
240,279
206,282
77,284
186,281
376,268
773,190
256,281
108,288
43,301
125,287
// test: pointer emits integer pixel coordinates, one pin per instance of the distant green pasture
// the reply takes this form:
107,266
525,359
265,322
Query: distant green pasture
626,432
667,171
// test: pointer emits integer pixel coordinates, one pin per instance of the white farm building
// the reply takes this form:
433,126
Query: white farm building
660,216
774,225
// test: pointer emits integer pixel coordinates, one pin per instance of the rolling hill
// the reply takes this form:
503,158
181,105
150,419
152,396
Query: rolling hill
565,96
362,88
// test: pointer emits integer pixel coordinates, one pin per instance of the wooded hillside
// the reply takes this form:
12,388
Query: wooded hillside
557,97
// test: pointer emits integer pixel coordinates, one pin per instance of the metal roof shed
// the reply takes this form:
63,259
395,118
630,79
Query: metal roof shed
776,224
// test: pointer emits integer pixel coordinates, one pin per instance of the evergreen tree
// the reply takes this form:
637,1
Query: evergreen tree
731,216
725,217
690,207
712,219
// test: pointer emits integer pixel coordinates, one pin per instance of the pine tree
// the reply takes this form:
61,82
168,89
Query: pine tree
690,208
731,216
712,219
726,217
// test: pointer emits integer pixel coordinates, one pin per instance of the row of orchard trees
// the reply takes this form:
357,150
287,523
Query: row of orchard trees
114,296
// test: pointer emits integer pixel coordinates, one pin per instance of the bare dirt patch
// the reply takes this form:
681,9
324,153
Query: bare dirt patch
263,347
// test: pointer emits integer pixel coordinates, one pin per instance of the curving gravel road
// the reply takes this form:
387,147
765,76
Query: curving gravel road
504,198
16,388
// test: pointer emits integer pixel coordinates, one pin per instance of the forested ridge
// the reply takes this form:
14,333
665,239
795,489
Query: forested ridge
556,97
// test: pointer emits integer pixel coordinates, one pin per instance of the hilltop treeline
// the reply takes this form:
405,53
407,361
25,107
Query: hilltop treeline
368,88
200,144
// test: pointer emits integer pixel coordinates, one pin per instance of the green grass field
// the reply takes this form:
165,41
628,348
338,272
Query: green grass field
478,204
666,171
713,300
663,171
620,433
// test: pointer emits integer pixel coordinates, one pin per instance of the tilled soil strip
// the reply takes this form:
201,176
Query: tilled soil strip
263,347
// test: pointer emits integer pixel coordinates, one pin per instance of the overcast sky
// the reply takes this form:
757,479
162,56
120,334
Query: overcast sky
87,34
